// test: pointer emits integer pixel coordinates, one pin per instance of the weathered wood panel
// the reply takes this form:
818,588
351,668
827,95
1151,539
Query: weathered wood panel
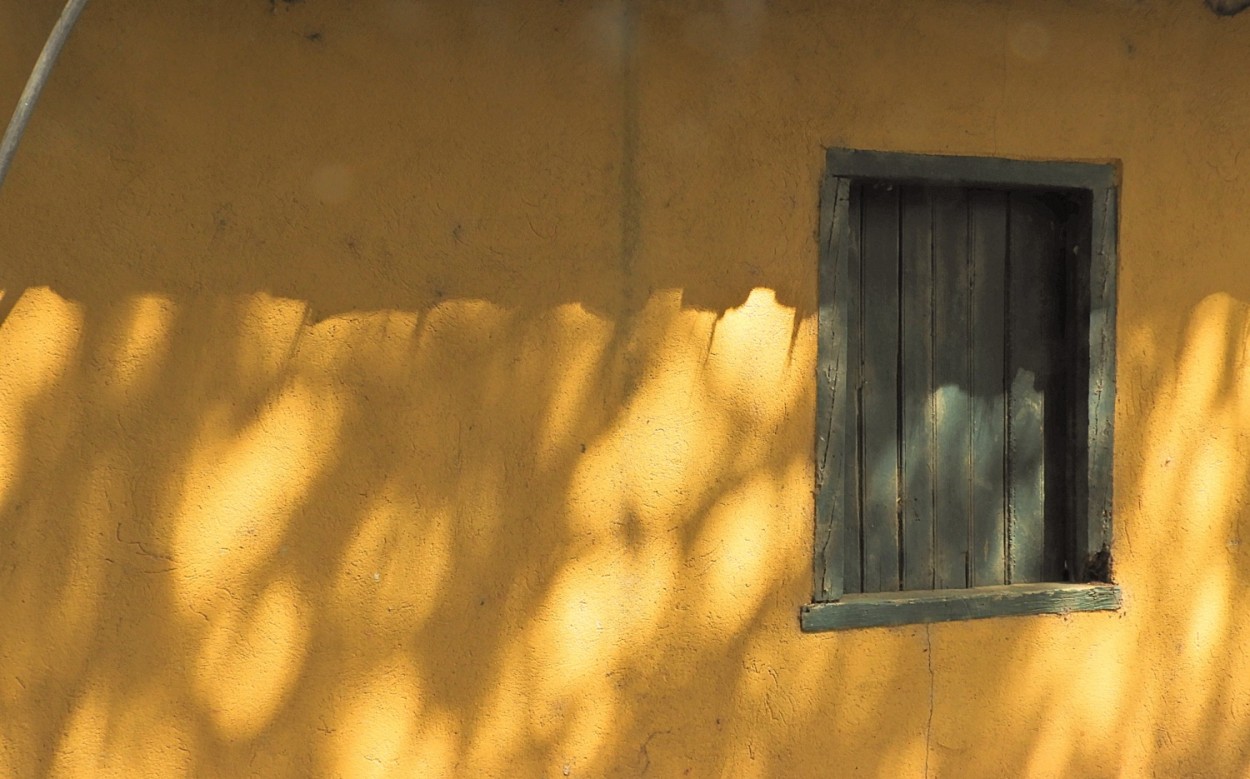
987,250
967,379
832,385
952,403
852,518
866,610
1031,251
1100,431
968,171
916,388
879,409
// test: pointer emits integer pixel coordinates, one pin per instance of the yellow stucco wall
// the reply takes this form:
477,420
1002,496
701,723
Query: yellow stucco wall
425,389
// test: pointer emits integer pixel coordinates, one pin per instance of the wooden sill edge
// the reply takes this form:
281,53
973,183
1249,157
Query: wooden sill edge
887,609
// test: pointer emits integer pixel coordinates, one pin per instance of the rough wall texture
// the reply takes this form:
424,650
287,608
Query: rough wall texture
403,389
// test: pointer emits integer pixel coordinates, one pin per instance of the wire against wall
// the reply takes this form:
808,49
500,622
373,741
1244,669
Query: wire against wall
34,85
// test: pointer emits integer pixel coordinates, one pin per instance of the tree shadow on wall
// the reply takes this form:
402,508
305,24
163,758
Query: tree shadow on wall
461,425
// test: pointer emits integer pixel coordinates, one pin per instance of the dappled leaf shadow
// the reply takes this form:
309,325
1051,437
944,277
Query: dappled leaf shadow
426,389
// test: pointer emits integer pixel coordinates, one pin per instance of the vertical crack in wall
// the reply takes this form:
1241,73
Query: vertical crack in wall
632,298
625,360
631,195
928,729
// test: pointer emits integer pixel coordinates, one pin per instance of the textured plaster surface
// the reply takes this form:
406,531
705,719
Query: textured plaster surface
425,389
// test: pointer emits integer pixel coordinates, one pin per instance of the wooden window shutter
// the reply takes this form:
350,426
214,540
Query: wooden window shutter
957,414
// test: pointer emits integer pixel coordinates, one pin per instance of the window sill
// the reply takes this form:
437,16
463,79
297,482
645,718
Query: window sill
881,609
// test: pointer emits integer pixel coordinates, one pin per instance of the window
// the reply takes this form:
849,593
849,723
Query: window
966,389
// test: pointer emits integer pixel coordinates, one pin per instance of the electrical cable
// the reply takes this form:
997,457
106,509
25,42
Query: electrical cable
34,85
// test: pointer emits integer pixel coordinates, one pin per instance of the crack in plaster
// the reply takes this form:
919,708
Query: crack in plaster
143,550
928,731
643,755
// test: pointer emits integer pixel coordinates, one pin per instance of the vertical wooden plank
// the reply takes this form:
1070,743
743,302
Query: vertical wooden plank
1094,542
852,516
1077,244
879,379
1031,305
951,399
1065,367
987,249
916,387
832,388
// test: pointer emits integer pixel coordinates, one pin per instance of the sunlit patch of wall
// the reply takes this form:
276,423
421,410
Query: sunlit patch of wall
427,389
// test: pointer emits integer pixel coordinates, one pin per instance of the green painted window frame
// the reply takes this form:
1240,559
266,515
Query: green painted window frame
831,608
